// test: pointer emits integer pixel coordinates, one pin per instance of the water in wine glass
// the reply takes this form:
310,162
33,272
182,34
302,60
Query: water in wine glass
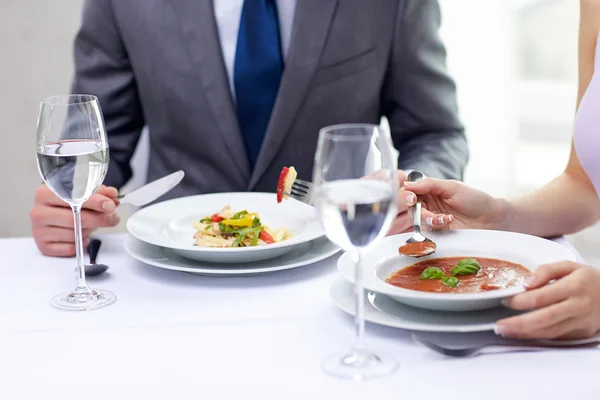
73,169
354,211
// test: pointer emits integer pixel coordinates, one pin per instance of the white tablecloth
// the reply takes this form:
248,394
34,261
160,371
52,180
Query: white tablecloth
174,335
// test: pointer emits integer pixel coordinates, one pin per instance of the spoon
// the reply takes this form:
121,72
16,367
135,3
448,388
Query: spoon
418,245
93,269
505,346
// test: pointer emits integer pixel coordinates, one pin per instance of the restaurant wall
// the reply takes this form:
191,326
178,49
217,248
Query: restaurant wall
35,61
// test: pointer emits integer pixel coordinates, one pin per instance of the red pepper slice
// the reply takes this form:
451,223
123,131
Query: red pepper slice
265,237
280,184
216,218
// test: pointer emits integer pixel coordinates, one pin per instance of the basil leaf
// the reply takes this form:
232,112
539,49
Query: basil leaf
466,266
450,281
432,273
206,221
239,215
208,227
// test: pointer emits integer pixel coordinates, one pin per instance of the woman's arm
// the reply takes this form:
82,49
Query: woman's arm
569,203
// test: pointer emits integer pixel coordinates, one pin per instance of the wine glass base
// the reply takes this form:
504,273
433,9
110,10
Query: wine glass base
83,300
360,365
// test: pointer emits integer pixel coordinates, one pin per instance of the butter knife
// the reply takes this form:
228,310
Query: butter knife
152,191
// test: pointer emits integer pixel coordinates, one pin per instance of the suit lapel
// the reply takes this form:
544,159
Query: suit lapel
311,26
201,36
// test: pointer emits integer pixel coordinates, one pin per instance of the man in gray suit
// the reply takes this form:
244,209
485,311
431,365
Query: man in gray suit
232,90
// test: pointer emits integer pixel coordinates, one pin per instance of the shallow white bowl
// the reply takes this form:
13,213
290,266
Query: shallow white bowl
169,225
384,260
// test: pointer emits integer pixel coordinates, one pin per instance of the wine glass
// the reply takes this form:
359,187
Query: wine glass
355,194
72,157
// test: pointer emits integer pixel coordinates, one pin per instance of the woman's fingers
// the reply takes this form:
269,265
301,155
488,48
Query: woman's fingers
546,273
435,187
540,297
540,322
435,221
562,329
431,220
406,198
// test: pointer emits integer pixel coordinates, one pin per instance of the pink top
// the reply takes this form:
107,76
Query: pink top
586,133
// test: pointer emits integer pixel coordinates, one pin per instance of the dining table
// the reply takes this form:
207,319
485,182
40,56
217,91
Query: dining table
175,335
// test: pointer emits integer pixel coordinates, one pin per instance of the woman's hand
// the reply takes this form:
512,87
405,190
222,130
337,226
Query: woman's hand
449,203
568,308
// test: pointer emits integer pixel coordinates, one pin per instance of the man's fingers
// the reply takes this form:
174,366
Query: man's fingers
63,217
546,273
104,200
434,187
60,249
53,234
97,202
100,203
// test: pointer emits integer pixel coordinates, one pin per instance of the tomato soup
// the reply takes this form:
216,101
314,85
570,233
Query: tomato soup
494,274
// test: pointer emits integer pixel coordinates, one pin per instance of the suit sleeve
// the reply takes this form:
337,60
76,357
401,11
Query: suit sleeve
102,68
419,97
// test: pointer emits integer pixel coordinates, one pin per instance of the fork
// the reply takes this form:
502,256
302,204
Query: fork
301,191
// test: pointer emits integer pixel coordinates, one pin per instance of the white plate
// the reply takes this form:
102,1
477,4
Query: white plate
305,254
169,224
529,251
382,310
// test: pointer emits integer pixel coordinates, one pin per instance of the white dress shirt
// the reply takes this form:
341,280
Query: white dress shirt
228,14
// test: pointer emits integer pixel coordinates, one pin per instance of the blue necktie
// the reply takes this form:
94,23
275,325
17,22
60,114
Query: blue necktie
257,71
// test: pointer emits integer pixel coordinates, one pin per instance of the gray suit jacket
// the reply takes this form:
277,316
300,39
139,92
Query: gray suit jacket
158,63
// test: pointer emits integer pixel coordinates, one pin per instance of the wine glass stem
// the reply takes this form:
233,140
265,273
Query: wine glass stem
360,304
81,282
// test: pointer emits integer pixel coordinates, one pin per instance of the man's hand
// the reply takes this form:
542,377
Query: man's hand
52,219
